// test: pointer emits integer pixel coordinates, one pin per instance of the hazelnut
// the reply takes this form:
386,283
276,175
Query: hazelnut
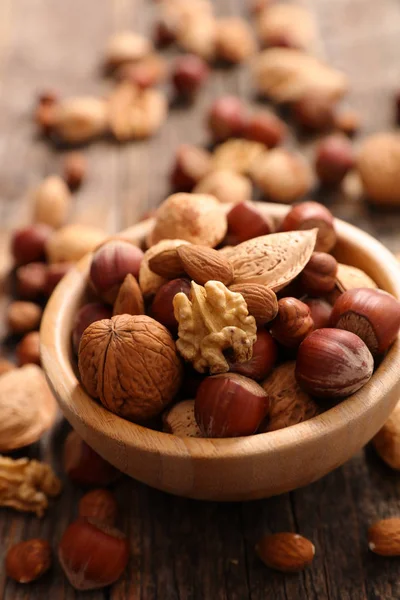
86,315
74,169
28,560
373,315
52,200
130,299
146,72
282,175
230,405
333,159
111,263
196,218
293,322
73,242
162,308
23,316
320,310
28,349
314,110
83,465
235,41
308,215
31,280
6,366
124,47
227,118
226,186
99,505
198,34
238,155
191,165
106,353
28,244
266,128
348,122
333,364
190,72
54,274
319,275
246,222
378,164
92,555
265,354
180,420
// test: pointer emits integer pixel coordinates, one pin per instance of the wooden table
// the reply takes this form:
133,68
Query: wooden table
181,549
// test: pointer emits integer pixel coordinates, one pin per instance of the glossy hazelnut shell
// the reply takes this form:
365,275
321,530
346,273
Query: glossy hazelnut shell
293,322
265,354
319,275
308,215
246,222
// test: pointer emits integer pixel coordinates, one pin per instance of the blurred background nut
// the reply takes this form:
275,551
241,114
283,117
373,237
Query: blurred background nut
28,560
54,274
198,35
261,302
308,215
266,128
294,23
334,158
190,72
348,121
28,243
31,280
99,504
72,242
124,47
23,316
378,164
86,315
283,176
293,322
226,186
78,120
227,117
246,222
74,169
147,72
28,349
235,41
237,155
192,164
52,200
45,110
314,110
83,465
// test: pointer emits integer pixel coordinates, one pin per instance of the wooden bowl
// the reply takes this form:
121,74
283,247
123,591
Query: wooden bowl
225,469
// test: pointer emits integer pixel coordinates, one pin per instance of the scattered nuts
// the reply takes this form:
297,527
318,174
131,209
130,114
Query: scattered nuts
235,41
283,176
265,127
293,322
289,405
384,537
99,505
227,118
28,349
320,310
202,264
130,299
180,420
106,353
149,281
71,243
246,222
190,72
78,120
28,560
23,316
344,364
333,159
28,244
92,555
74,169
261,302
31,280
125,47
83,465
308,215
265,354
373,315
387,441
230,405
213,320
226,186
162,309
191,165
54,274
314,111
111,263
319,275
288,552
86,315
237,155
292,22
377,163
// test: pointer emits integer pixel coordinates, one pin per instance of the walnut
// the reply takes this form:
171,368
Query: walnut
25,485
237,155
213,320
150,282
130,363
289,405
196,218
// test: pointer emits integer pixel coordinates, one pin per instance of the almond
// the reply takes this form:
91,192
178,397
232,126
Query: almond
203,264
167,264
384,537
130,299
387,440
285,551
261,302
180,420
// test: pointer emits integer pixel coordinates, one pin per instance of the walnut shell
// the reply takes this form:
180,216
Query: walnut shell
130,363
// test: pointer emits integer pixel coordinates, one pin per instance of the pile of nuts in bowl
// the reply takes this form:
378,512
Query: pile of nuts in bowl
229,324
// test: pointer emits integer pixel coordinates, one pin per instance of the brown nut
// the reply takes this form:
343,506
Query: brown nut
202,264
344,364
235,41
86,315
28,244
319,275
373,315
320,310
348,122
23,316
384,537
314,110
180,420
293,323
246,222
74,169
191,165
377,163
230,405
308,215
28,560
261,302
100,505
227,118
167,264
226,186
288,552
162,309
31,280
130,298
83,465
111,263
265,354
190,73
334,159
54,274
265,127
28,349
106,353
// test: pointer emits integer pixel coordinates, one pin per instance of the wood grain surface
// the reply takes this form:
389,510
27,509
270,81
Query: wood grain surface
182,549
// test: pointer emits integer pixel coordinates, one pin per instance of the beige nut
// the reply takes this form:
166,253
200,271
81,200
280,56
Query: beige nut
23,316
196,218
71,243
52,201
149,281
180,420
78,120
198,36
226,186
211,321
387,440
126,46
378,164
237,155
289,22
235,41
349,278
